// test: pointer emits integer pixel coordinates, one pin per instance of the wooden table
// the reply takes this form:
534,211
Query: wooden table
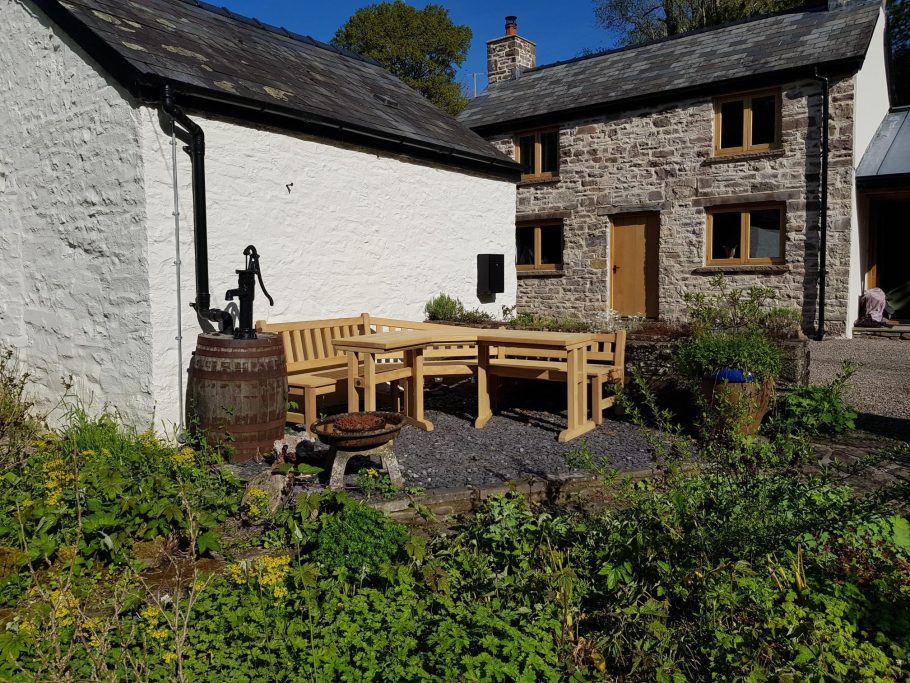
576,347
363,349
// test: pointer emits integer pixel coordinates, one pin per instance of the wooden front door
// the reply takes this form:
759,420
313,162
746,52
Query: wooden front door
634,253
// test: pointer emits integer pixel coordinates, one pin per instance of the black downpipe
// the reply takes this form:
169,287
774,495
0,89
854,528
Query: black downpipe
823,210
196,150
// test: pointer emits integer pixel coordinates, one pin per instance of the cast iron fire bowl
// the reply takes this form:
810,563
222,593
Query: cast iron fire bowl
358,431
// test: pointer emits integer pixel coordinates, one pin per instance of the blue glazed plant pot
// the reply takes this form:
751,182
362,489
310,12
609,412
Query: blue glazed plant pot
731,375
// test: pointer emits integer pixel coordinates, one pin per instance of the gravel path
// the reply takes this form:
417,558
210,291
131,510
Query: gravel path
518,443
880,390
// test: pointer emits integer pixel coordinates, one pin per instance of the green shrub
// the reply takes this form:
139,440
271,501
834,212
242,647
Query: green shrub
747,311
443,307
357,539
704,353
18,424
816,410
101,487
534,321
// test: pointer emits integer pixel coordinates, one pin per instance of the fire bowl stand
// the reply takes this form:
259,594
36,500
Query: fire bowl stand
339,461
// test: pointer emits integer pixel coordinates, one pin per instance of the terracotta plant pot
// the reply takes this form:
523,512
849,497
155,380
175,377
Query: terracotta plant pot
723,389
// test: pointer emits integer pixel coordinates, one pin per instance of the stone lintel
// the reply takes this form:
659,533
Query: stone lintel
634,208
752,198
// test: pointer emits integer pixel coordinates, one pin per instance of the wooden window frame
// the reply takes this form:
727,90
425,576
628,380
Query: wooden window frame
538,227
744,228
747,146
537,174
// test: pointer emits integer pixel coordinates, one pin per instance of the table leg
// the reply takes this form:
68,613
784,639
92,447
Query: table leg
353,376
576,393
369,382
414,360
484,411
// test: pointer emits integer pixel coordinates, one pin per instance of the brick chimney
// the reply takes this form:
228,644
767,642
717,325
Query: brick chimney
509,55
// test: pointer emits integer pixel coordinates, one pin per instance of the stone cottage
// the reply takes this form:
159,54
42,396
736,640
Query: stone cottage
358,193
648,170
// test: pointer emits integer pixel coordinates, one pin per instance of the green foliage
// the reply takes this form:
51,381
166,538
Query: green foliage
704,353
357,540
899,34
422,47
740,311
816,410
534,321
639,21
449,309
100,487
18,424
443,307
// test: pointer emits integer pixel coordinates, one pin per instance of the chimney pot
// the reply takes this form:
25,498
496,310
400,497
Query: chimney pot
511,25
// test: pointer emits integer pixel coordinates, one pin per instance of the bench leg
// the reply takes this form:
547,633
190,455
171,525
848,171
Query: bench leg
309,409
597,394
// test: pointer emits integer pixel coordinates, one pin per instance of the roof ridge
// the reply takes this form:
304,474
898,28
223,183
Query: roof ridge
800,9
280,30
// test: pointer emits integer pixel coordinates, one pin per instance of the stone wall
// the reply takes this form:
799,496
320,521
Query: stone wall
660,159
74,282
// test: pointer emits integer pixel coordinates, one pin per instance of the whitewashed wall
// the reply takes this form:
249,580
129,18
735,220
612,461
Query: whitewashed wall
73,279
340,230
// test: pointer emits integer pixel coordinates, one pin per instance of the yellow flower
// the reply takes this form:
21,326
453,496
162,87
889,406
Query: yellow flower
27,627
65,606
372,473
238,573
65,553
169,657
280,592
183,457
160,634
88,454
150,613
257,502
56,477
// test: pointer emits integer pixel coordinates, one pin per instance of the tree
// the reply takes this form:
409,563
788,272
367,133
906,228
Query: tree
422,47
899,33
640,21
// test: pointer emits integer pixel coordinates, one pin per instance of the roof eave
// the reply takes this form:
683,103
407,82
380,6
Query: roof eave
634,102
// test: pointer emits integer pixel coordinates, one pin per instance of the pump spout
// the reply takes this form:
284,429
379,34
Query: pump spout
196,150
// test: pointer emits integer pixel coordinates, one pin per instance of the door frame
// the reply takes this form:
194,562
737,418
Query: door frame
652,258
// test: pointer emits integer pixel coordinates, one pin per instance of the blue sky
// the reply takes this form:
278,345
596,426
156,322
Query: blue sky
560,29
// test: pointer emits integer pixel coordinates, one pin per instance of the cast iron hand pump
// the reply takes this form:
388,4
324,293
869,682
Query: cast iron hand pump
246,292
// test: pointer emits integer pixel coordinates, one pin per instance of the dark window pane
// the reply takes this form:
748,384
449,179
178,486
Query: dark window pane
524,245
764,114
731,124
725,236
549,152
551,244
764,234
526,154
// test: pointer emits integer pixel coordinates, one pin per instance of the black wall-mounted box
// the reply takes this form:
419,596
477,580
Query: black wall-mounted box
491,270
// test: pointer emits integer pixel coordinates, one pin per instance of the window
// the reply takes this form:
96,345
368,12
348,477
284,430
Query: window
538,247
538,154
747,123
750,235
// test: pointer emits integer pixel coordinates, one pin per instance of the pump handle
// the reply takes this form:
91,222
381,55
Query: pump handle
252,264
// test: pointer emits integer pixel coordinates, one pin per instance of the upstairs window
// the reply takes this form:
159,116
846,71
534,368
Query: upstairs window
746,235
538,246
747,123
538,154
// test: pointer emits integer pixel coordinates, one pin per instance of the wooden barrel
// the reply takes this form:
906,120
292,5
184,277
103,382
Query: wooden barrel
237,392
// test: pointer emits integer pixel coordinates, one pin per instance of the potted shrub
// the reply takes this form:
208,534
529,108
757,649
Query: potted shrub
732,355
735,372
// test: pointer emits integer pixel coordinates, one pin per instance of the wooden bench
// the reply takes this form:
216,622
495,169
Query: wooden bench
604,367
316,368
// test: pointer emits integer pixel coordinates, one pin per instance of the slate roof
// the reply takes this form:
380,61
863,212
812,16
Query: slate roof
765,45
226,63
888,155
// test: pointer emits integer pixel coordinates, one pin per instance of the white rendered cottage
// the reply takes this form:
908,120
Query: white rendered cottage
358,193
